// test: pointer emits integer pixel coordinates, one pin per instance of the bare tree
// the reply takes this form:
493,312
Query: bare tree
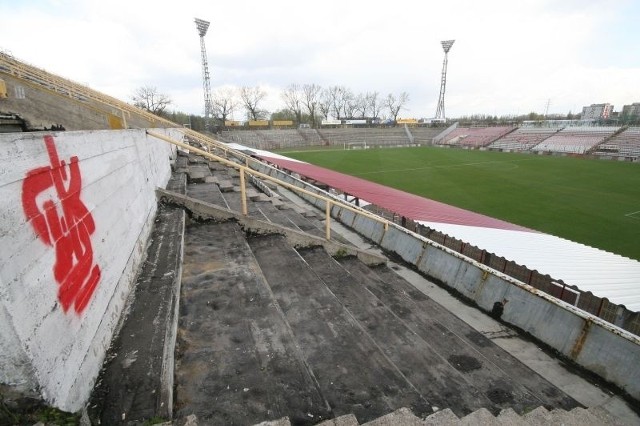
148,97
396,104
224,102
311,99
251,98
335,98
292,97
324,103
373,104
361,104
348,102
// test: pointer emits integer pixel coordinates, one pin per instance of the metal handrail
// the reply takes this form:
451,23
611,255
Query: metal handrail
11,66
245,169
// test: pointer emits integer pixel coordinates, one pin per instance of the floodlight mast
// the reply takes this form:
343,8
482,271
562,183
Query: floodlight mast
446,45
203,26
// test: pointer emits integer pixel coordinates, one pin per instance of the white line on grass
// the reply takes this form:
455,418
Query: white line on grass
632,215
445,166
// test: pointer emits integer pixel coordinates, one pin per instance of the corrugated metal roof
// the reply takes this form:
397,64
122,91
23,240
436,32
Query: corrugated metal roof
602,273
590,269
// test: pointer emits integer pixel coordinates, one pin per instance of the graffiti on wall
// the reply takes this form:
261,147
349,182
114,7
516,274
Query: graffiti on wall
52,204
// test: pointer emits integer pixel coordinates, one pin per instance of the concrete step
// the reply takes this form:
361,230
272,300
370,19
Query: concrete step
509,417
136,382
508,384
444,417
226,186
238,361
197,173
402,416
538,416
346,420
353,374
480,417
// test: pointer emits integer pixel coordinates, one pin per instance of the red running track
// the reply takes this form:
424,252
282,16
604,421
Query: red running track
403,203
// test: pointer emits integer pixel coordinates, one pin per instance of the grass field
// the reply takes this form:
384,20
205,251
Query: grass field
593,202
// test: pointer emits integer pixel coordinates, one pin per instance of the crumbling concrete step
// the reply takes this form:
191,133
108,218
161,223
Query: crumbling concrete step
480,417
225,186
423,367
215,166
354,375
502,378
509,417
252,194
309,213
277,203
136,382
207,192
279,422
402,416
197,173
444,417
346,420
262,198
238,359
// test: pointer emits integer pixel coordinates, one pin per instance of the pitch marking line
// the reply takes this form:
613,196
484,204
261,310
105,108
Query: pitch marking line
633,215
448,166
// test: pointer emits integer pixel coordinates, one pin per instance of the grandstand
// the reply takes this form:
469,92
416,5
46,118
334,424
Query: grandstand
522,139
341,137
474,137
273,139
425,135
625,144
271,323
575,140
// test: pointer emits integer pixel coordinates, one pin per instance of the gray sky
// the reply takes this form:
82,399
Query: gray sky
510,57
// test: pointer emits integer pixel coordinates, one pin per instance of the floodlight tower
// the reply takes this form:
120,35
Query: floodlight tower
206,83
446,45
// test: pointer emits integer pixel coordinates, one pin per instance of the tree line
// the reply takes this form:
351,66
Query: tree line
301,103
311,103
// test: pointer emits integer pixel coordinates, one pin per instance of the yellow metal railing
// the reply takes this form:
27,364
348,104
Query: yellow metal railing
244,169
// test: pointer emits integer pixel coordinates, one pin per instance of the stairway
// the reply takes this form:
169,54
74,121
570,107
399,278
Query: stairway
538,417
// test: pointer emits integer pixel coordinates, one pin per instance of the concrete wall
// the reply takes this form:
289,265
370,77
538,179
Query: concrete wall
43,107
76,209
606,350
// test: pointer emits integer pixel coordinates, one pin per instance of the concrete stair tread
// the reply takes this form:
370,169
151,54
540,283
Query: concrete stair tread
538,416
402,416
481,416
284,421
509,417
346,420
444,417
604,416
136,381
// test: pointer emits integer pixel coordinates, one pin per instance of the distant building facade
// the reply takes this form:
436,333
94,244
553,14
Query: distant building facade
632,110
597,112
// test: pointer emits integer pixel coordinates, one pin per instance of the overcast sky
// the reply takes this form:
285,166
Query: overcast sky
509,57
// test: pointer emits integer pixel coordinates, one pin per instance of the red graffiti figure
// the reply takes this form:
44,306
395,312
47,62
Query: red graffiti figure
69,233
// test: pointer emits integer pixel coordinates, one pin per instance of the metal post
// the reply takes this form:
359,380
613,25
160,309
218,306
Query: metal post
327,224
243,193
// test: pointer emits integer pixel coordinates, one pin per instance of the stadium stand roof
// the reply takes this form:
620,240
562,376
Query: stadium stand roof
603,273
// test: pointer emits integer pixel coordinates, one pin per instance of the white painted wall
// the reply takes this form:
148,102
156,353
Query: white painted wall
40,345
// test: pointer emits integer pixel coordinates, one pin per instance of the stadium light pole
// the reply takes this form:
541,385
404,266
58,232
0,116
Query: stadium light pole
203,26
446,45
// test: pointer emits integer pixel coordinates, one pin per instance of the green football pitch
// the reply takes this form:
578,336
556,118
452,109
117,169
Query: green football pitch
593,202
